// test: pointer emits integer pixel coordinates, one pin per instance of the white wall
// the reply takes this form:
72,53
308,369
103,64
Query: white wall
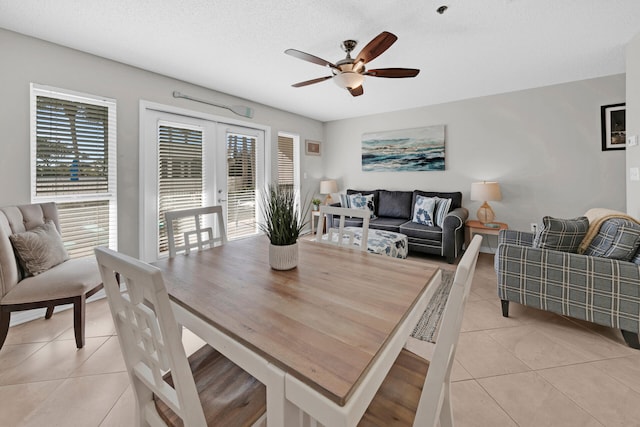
26,60
633,123
543,146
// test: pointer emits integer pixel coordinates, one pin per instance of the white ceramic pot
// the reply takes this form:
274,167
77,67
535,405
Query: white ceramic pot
283,257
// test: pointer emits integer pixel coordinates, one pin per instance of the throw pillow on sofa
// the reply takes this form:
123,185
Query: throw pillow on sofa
344,201
358,201
617,239
441,210
559,234
423,210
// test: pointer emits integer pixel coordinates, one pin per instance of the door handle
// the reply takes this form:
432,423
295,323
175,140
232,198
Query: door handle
222,200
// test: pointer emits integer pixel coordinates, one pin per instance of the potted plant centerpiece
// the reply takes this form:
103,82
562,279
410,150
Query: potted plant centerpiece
282,222
316,204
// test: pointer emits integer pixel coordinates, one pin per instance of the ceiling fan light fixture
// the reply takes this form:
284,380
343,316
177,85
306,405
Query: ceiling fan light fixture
348,79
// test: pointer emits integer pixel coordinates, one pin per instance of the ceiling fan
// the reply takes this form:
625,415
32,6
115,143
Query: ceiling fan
349,73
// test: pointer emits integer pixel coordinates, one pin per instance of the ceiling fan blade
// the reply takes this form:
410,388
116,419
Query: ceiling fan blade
376,47
356,91
310,82
393,73
308,57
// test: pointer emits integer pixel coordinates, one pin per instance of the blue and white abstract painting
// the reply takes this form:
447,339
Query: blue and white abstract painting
405,150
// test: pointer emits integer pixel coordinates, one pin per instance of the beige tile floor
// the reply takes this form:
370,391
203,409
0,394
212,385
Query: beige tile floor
532,369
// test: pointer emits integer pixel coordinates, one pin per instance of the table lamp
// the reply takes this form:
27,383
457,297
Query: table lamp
485,191
327,187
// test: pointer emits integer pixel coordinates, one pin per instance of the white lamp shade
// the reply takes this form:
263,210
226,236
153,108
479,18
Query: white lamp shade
485,191
328,186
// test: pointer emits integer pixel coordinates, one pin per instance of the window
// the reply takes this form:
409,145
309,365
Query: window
285,161
241,185
73,163
180,177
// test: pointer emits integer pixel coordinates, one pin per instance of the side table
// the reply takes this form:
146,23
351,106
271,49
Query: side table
314,215
476,227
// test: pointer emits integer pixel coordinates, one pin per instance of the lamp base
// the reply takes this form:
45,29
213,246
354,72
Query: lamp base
328,200
485,213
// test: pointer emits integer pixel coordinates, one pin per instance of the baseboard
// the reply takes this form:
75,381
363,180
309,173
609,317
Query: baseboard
19,317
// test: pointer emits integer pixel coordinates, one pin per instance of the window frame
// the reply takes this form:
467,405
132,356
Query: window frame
110,196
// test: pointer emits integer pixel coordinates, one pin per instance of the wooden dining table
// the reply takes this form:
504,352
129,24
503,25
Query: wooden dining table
321,337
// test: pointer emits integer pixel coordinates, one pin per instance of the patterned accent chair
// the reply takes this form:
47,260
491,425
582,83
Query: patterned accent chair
600,290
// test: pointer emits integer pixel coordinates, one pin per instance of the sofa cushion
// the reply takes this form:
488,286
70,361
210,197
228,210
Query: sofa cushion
359,201
39,249
386,223
419,231
365,193
423,211
443,207
344,201
561,234
617,238
395,204
456,197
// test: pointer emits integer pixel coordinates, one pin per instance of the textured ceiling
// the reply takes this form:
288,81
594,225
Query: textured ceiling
477,47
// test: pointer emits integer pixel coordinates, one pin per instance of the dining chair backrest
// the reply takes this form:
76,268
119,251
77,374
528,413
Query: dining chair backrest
435,401
341,236
189,222
149,339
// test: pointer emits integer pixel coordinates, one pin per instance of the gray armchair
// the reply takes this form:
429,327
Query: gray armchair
68,282
599,290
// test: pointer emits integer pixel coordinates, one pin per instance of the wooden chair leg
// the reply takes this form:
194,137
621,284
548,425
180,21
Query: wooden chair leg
5,316
49,312
78,320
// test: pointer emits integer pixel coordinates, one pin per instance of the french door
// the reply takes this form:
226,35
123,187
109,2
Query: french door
188,162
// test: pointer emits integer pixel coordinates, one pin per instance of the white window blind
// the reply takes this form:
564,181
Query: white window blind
180,180
73,151
285,161
241,185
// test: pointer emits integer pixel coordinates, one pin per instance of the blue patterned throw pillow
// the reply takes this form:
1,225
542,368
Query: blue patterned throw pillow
559,234
358,201
423,210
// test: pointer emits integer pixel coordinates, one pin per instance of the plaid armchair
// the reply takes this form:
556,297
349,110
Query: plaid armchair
599,290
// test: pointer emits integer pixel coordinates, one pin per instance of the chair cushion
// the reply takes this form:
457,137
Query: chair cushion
228,394
39,249
617,239
562,235
70,279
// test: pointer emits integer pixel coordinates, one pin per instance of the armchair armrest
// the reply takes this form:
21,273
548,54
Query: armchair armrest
599,290
453,233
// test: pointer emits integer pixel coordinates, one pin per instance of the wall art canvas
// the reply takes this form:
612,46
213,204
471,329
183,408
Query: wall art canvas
405,150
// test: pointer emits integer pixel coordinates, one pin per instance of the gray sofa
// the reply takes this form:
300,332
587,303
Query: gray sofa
394,211
593,288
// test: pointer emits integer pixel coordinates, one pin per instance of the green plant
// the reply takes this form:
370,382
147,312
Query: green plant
281,215
316,202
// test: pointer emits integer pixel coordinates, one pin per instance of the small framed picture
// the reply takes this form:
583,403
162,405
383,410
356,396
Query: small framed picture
312,148
614,135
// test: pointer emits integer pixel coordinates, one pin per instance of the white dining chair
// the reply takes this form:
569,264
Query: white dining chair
416,391
205,389
340,236
189,222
